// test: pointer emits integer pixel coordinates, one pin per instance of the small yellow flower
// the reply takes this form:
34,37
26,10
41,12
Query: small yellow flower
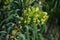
30,14
34,21
29,9
44,16
45,13
37,9
33,8
36,15
42,20
38,21
28,20
21,18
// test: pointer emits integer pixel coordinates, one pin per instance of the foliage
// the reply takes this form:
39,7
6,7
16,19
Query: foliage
53,9
23,20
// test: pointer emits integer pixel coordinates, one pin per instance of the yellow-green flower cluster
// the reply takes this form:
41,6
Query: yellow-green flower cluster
33,15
